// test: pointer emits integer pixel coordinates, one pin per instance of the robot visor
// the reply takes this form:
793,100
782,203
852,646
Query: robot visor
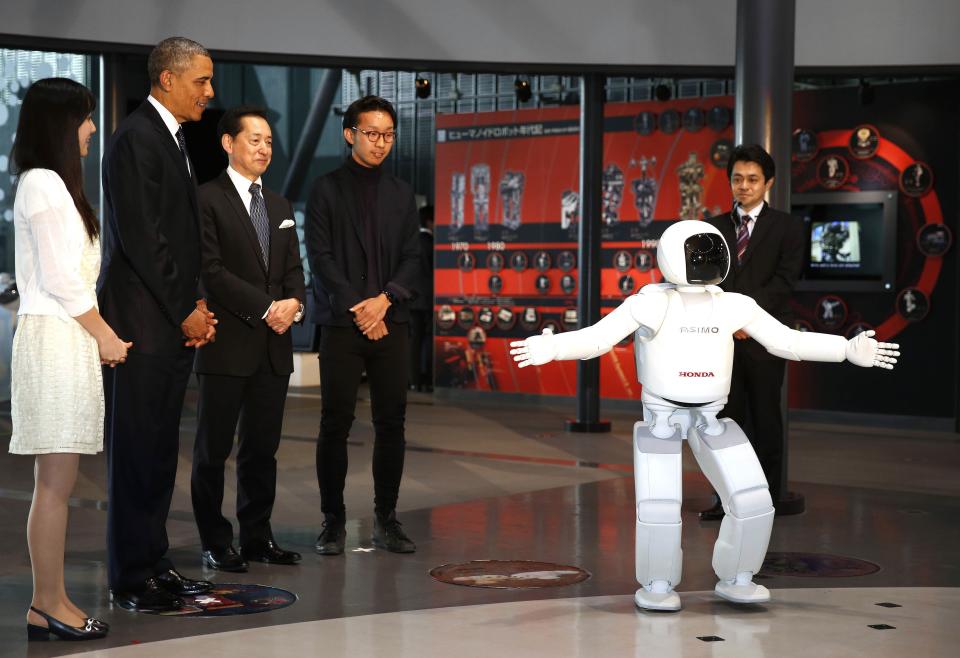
707,259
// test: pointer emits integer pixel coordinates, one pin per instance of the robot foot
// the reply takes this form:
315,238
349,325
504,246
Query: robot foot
742,590
660,597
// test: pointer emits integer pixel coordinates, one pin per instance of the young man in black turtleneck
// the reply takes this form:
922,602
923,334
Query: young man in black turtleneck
362,239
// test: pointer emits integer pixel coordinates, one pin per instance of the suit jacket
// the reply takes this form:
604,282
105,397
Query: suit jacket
770,269
238,288
150,272
337,251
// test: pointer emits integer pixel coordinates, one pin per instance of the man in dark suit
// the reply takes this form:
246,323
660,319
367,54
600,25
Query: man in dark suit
766,248
148,291
362,240
253,281
421,311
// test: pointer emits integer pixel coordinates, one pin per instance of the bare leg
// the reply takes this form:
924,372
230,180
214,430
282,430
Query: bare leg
55,476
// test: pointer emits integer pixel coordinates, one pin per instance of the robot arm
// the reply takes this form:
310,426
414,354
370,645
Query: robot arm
862,350
588,343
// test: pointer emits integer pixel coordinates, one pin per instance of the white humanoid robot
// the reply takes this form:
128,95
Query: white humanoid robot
684,349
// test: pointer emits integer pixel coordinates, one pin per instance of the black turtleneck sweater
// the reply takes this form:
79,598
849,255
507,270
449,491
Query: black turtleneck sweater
367,180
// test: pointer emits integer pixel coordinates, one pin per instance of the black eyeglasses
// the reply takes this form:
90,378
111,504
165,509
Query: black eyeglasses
375,135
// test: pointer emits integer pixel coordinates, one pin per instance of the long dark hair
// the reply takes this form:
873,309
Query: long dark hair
50,116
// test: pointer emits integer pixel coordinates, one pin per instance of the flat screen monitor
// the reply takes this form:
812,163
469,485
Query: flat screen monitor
850,240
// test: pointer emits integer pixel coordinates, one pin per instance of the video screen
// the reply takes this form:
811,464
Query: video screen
835,245
850,240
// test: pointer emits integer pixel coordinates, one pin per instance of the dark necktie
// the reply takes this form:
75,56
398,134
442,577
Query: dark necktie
258,215
743,238
183,147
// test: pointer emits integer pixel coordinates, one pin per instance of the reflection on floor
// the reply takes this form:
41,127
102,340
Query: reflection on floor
487,481
809,622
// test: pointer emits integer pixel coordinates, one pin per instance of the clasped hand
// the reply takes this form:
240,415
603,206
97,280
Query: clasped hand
368,315
113,350
281,313
200,326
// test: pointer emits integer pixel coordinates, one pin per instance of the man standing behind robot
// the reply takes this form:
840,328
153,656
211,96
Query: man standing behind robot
254,280
766,257
361,233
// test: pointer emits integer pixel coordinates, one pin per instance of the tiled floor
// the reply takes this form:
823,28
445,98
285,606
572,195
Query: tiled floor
500,481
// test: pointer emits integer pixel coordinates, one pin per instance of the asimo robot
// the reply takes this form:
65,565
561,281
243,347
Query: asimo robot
684,349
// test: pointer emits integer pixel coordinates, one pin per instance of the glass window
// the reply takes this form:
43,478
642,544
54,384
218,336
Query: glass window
18,69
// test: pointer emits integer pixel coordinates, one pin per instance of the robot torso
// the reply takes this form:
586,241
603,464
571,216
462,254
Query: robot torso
689,359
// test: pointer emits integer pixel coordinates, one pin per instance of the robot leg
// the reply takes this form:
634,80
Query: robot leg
731,465
657,476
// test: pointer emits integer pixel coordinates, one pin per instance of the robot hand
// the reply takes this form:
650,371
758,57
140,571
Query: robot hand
535,350
864,351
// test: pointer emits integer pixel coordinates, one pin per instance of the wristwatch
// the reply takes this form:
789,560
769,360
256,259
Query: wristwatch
390,296
299,314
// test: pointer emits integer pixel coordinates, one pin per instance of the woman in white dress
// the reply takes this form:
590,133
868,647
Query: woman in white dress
61,340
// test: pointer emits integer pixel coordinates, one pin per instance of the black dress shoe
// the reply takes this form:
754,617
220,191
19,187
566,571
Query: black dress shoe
177,584
269,553
224,560
93,629
332,539
388,535
149,598
714,513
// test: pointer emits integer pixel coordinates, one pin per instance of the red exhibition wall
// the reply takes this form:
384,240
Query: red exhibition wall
507,211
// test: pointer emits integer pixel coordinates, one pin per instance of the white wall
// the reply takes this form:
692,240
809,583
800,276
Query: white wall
877,32
638,32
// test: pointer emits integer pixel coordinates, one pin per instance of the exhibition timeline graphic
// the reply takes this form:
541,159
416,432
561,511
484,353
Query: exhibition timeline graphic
508,209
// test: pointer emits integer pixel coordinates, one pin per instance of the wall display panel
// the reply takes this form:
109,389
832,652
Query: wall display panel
899,149
507,212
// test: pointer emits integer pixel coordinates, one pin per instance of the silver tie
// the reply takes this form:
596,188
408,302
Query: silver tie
258,215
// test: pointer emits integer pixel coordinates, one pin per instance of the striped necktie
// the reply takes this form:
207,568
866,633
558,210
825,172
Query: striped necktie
258,215
743,237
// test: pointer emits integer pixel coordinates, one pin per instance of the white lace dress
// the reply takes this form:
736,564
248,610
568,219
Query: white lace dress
56,379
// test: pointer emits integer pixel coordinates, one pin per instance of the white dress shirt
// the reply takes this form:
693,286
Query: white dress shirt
170,122
49,244
750,217
242,183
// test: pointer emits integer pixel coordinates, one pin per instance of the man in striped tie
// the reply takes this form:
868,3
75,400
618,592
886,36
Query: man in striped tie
252,275
768,248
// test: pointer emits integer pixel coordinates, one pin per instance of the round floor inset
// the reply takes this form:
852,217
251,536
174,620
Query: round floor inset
509,574
816,565
227,599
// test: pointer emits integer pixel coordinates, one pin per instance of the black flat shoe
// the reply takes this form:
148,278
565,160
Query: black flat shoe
269,553
149,598
224,560
179,585
332,539
92,629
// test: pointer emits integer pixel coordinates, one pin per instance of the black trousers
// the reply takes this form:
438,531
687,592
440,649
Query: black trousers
754,403
144,400
421,348
256,402
344,354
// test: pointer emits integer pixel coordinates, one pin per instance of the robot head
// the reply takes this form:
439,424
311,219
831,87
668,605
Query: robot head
693,253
